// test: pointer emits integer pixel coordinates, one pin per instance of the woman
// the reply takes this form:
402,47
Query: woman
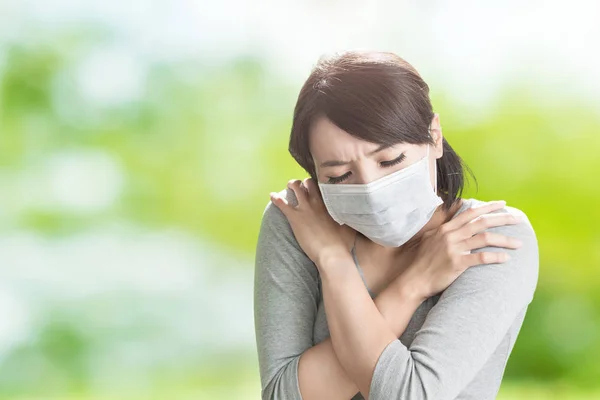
363,280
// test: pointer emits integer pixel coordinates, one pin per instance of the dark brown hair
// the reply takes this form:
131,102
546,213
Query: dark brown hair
377,97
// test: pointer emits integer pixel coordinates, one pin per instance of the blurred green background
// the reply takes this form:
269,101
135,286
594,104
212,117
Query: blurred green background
139,142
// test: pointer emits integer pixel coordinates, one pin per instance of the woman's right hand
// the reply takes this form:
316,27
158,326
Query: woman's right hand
445,253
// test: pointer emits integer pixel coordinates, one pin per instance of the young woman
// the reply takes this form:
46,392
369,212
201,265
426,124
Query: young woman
374,278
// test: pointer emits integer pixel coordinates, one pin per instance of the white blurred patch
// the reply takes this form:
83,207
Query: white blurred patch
14,324
466,49
110,77
145,301
81,181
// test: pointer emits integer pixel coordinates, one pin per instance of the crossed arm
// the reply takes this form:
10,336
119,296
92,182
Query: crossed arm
360,328
363,353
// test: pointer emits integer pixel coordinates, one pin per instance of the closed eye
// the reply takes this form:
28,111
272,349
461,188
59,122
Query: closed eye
393,162
338,179
341,178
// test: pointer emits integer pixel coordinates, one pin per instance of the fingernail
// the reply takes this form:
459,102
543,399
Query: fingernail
518,242
506,257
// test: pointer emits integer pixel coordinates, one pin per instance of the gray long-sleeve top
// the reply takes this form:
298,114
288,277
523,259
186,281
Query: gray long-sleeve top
455,346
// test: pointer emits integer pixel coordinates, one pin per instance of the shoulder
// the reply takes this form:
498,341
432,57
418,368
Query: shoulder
274,221
523,230
519,275
277,247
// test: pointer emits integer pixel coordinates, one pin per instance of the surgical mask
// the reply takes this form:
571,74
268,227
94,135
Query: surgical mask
389,210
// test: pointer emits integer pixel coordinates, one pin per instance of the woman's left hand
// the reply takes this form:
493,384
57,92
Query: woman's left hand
316,232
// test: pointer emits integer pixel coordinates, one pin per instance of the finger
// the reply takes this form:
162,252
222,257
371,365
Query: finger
305,185
299,191
485,239
472,213
484,257
485,222
312,188
280,203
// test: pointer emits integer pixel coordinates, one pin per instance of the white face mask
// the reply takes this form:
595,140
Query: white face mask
389,210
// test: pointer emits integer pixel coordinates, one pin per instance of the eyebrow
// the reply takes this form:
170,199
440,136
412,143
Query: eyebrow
337,163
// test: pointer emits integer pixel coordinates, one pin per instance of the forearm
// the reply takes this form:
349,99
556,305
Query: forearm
359,330
320,373
321,376
397,303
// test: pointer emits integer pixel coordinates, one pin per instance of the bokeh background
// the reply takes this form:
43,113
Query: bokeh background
139,142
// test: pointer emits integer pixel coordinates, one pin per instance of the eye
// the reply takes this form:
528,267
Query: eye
338,179
393,162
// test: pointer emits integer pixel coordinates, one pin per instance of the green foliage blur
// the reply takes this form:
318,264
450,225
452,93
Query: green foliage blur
201,148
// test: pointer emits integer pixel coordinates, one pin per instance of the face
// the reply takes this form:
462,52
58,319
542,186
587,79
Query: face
341,158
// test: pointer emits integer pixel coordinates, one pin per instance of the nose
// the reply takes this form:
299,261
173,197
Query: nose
368,175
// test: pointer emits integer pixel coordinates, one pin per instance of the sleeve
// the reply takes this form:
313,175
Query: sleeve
285,304
464,328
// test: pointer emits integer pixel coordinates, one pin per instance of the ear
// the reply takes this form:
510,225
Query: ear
436,134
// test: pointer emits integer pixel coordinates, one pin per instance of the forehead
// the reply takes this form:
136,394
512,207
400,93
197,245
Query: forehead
327,140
